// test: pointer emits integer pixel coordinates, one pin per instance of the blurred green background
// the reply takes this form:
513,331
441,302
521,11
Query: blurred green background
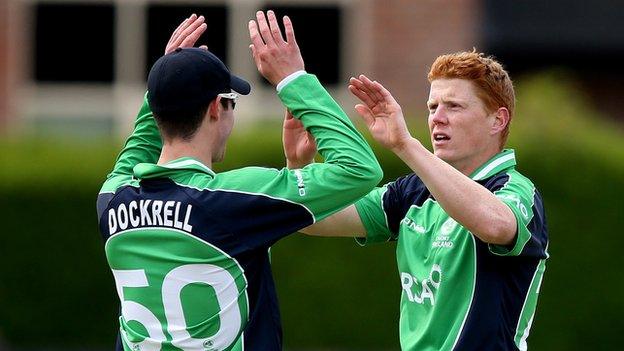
58,293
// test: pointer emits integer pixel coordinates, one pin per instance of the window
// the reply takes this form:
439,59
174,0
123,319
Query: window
534,34
163,19
318,32
74,42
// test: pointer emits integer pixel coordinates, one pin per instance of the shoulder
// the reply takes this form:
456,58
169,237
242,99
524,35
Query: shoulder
410,188
245,175
115,182
404,192
250,171
509,180
407,184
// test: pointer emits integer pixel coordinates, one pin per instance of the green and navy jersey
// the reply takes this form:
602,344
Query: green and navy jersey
188,247
458,292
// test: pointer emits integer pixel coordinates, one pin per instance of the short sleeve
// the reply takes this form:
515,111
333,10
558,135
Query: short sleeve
526,204
383,209
373,217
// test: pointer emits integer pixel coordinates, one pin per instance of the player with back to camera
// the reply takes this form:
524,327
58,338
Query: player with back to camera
471,230
188,247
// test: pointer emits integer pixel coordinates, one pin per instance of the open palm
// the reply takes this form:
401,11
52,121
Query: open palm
380,111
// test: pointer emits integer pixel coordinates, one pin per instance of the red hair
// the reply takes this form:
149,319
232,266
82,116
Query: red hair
494,87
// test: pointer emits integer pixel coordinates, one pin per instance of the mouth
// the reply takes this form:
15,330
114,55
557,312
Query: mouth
440,138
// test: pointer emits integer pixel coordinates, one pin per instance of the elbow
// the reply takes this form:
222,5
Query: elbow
373,174
377,174
501,232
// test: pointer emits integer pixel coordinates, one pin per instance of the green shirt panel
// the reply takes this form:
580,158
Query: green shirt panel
437,265
370,210
518,194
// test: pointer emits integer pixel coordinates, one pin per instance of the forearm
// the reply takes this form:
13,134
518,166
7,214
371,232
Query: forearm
347,156
466,201
143,145
345,223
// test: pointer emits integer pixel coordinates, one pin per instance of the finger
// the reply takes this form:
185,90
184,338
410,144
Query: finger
358,84
366,114
378,89
373,88
275,30
204,47
362,83
367,83
363,96
190,40
181,27
189,30
288,115
264,29
384,93
178,32
181,36
290,32
256,39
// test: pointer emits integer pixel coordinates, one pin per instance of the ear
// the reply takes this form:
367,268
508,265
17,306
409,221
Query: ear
214,109
501,120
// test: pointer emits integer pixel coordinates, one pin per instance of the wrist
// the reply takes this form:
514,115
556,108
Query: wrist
405,145
289,78
297,164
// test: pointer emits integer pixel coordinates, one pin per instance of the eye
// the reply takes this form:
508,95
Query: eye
432,108
454,105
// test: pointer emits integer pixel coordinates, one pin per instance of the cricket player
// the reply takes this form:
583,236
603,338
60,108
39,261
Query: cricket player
471,230
188,247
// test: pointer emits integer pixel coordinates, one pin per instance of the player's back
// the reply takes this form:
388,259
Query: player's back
190,257
189,248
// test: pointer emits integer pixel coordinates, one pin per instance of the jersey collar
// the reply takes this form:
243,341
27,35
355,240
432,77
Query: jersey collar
150,170
501,161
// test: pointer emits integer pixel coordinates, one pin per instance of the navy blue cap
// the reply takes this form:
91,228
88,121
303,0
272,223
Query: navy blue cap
189,78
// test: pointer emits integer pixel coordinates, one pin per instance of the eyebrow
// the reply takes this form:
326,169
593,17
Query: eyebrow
447,100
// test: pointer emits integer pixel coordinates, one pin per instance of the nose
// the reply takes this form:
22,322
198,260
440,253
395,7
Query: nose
438,117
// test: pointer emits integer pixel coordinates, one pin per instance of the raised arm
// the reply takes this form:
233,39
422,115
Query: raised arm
469,203
300,149
145,143
350,169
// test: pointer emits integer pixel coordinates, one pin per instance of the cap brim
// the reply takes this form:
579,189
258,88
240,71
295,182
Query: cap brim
239,85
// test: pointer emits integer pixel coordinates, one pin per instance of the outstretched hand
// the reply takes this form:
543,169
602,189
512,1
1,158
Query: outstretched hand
381,112
275,57
187,34
299,144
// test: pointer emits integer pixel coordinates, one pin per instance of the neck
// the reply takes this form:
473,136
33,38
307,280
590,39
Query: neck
175,149
468,167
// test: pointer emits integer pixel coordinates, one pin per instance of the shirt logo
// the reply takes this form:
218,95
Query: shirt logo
409,223
423,291
300,183
448,226
443,238
516,201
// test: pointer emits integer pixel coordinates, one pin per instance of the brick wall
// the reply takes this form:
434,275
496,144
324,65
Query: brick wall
408,35
4,9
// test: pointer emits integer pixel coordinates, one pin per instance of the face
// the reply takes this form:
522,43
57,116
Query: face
224,126
459,125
